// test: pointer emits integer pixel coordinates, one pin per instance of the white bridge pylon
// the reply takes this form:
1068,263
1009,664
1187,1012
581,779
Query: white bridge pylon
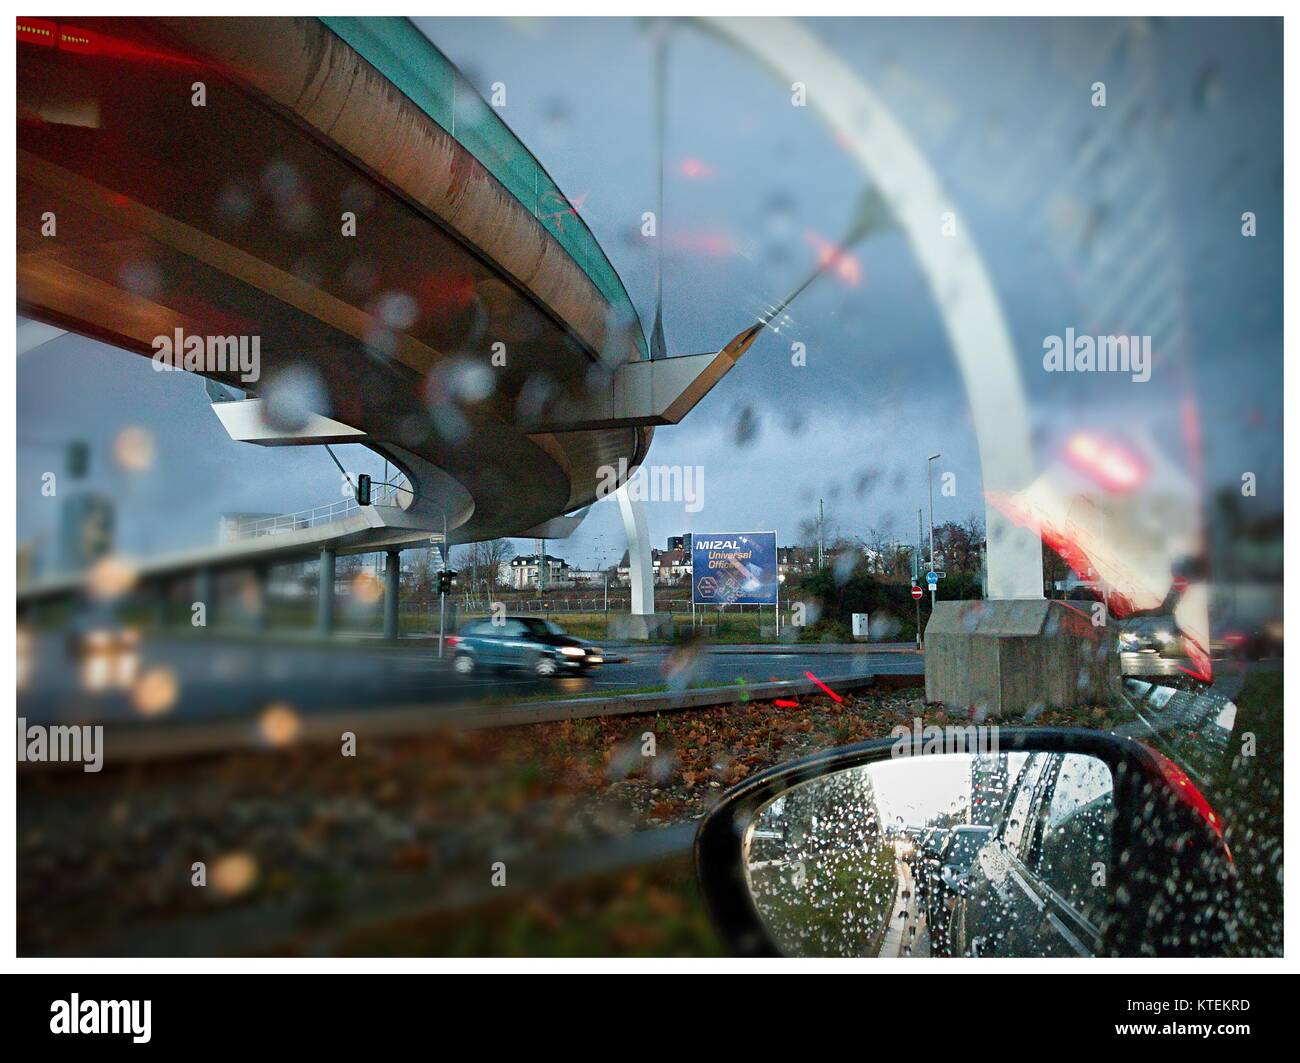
959,282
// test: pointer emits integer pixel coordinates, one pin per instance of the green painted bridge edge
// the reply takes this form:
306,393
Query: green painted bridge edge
398,50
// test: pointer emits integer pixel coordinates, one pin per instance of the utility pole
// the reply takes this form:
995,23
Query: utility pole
821,534
916,576
929,483
541,567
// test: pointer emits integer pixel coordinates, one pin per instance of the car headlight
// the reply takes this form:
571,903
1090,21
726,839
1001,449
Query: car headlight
573,651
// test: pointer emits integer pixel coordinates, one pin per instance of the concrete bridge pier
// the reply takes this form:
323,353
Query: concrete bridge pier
392,588
262,604
161,602
205,591
642,622
325,597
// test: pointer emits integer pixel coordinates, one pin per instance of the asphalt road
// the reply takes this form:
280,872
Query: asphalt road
907,934
219,678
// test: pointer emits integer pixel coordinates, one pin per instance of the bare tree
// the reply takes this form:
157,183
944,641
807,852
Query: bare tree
480,564
878,545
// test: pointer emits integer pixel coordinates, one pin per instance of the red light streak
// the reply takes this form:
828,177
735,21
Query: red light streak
831,256
80,41
695,169
828,690
1187,792
714,245
1112,465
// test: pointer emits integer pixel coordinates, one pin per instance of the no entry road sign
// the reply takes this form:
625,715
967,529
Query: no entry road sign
917,592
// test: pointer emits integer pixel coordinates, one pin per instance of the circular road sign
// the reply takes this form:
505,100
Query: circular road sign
917,592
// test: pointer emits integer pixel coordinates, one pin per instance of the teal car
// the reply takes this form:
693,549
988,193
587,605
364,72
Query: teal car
526,642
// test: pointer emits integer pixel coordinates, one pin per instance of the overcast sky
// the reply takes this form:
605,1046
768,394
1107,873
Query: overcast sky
1129,214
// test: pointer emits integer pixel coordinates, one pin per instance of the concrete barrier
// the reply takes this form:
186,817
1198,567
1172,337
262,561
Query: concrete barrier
1007,656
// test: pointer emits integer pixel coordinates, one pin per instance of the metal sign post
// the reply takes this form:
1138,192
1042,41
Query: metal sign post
916,595
777,603
442,620
440,541
916,576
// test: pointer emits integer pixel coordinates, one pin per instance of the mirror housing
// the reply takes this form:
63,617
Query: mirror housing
1173,890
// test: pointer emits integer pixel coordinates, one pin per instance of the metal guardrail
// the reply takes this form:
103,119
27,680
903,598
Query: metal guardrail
381,495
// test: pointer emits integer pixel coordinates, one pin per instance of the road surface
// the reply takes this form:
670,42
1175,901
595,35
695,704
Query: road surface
213,677
907,934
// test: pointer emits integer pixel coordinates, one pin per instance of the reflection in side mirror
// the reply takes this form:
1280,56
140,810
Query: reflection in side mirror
1005,854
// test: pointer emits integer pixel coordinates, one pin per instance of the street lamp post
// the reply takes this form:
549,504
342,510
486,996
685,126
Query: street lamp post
929,483
916,577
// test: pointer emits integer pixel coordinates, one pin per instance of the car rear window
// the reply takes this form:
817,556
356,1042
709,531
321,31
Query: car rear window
963,847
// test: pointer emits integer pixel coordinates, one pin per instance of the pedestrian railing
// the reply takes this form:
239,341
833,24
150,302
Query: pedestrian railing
381,495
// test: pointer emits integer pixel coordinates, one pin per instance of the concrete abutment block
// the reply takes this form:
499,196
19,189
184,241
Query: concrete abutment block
1005,657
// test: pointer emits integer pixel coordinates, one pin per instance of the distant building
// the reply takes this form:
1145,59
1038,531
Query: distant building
672,566
525,572
988,789
586,577
669,566
794,560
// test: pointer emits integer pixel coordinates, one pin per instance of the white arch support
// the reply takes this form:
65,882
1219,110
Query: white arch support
640,570
972,315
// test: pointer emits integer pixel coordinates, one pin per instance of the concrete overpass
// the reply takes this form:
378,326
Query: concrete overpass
335,188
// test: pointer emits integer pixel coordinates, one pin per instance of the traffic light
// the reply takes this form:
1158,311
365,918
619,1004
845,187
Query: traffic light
446,580
363,489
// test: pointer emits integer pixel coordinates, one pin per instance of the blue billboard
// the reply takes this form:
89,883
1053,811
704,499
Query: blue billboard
736,568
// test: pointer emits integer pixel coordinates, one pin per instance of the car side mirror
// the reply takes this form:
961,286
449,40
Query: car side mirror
1053,842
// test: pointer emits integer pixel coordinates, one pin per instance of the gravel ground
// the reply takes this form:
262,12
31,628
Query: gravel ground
103,855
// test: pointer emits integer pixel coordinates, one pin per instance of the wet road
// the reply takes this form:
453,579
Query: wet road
215,678
907,934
